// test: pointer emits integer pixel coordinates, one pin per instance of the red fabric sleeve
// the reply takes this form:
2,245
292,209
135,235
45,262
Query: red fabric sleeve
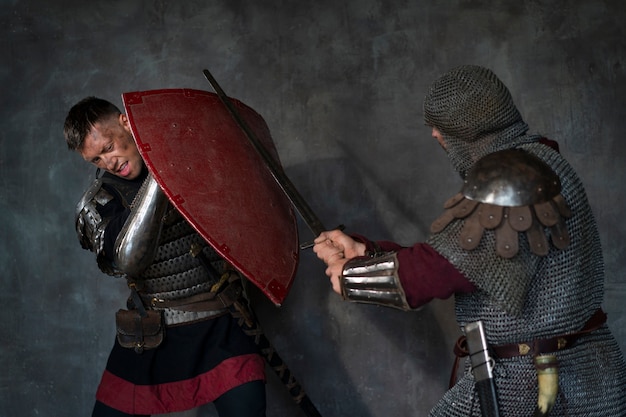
425,275
551,143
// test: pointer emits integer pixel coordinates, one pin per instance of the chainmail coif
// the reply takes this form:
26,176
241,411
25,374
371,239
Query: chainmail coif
475,113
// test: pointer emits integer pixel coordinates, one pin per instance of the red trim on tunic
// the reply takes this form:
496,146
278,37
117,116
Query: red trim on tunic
180,395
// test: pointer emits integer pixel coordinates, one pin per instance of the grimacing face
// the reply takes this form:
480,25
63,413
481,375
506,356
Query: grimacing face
109,145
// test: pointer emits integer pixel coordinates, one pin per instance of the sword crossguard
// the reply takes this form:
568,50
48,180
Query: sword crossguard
311,243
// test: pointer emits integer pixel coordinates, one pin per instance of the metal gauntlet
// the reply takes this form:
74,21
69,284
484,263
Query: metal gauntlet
374,280
137,243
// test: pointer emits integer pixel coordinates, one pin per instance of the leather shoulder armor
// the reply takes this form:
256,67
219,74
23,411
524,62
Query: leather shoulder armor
510,192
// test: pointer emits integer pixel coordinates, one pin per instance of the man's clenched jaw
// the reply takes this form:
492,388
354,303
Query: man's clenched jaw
109,145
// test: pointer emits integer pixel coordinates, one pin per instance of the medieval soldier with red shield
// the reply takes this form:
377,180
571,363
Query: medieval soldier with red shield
169,214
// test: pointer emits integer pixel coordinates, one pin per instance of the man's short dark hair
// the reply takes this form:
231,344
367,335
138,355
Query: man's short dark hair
82,116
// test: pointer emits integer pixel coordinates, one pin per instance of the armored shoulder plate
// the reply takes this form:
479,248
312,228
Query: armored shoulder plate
510,192
137,242
90,225
511,178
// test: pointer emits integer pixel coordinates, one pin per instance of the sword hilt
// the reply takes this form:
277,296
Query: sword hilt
482,368
311,243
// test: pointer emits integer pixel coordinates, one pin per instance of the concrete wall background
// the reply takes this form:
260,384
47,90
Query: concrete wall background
340,84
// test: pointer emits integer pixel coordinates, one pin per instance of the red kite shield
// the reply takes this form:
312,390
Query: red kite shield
211,173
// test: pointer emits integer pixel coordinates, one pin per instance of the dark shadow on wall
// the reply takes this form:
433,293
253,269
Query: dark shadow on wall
353,359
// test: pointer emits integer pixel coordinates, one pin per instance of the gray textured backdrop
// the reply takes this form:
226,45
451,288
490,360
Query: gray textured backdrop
340,84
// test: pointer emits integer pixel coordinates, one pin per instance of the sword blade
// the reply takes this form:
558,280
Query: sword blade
307,214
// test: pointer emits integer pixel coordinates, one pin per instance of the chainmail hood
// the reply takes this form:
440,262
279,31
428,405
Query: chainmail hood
475,113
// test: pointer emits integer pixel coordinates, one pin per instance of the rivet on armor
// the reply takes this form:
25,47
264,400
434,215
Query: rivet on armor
561,343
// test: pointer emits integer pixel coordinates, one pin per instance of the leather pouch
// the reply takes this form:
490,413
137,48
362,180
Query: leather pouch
138,332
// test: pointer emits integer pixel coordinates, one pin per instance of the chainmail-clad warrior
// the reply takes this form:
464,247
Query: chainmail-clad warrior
517,246
194,352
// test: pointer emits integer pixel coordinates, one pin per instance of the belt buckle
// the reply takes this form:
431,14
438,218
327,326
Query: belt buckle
523,348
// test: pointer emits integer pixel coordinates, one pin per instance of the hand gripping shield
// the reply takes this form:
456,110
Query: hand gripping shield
209,171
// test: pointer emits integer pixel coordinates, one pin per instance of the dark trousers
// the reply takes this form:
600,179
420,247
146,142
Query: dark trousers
247,400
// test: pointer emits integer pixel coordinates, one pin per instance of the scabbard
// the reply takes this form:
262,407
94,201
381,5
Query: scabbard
482,368
488,399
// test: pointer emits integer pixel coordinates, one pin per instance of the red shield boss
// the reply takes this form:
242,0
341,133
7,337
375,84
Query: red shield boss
211,173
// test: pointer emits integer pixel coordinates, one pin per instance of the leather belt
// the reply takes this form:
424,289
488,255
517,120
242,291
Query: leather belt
552,344
534,347
209,301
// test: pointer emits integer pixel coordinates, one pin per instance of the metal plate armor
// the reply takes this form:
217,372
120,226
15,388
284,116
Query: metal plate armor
216,180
